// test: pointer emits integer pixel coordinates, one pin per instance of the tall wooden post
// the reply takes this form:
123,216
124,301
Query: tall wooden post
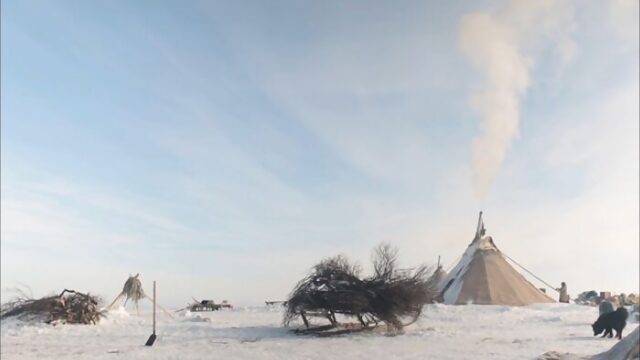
152,338
154,306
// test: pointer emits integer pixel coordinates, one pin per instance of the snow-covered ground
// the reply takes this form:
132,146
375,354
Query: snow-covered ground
443,332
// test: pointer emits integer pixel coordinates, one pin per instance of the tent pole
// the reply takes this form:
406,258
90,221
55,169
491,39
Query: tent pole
480,225
115,300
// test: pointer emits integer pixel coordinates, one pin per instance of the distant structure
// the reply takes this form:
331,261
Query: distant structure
209,305
483,276
439,274
275,302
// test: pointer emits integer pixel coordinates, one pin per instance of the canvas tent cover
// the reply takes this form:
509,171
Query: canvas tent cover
626,349
484,277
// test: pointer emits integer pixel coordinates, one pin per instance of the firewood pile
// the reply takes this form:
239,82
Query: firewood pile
334,286
69,307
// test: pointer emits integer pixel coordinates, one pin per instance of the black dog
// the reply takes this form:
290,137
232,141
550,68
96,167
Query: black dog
614,320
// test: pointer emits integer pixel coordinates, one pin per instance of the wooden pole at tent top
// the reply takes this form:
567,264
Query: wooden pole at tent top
480,226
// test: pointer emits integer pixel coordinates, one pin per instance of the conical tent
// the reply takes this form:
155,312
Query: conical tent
484,277
439,274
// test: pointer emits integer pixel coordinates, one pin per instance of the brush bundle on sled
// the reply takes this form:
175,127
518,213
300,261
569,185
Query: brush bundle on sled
334,286
70,307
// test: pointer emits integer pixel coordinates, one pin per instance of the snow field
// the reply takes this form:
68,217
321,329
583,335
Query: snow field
443,332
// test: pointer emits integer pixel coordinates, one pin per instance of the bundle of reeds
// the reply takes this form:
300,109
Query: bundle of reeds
132,289
69,307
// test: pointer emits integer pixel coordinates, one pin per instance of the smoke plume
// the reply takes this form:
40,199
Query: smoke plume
502,45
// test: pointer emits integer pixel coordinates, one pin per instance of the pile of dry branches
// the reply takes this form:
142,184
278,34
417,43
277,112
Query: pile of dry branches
390,295
70,307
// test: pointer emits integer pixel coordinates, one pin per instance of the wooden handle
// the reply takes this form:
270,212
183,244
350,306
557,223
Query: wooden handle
154,307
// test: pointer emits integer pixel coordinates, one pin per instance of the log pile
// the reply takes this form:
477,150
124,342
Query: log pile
69,307
389,296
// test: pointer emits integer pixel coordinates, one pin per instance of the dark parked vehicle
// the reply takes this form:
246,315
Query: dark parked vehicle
209,305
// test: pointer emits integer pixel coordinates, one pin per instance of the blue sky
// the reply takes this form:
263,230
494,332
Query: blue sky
223,148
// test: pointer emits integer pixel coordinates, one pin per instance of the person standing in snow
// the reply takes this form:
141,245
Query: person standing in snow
623,299
605,307
564,296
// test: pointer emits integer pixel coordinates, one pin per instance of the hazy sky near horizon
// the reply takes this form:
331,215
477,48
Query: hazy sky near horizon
223,148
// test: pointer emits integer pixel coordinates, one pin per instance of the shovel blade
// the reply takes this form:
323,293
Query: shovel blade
151,340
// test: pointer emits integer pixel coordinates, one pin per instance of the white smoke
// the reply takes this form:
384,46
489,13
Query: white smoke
502,45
